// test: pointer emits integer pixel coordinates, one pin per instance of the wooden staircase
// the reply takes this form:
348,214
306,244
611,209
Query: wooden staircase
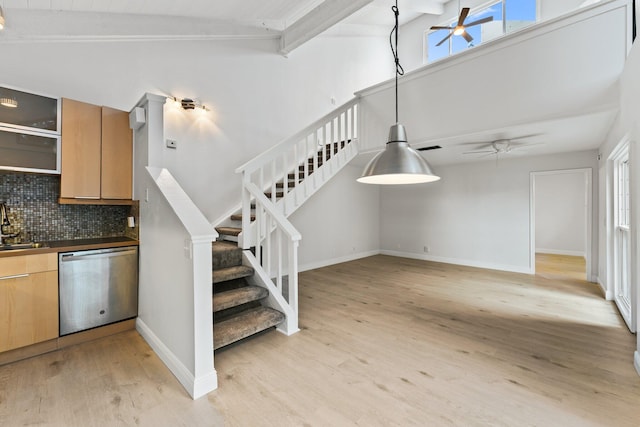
231,232
237,311
255,274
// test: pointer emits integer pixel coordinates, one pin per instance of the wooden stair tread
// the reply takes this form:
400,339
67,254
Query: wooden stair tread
222,246
244,325
239,296
229,231
238,217
230,273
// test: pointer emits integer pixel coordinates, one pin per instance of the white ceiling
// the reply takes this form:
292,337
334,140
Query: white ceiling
272,18
277,14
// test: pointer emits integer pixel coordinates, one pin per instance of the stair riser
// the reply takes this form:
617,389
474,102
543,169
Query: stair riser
227,258
222,315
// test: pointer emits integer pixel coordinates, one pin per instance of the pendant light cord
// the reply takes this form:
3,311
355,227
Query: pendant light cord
394,51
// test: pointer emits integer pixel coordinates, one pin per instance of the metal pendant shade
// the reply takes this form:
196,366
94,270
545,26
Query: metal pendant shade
398,163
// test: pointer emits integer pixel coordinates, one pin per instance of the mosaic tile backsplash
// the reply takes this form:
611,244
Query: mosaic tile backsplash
33,209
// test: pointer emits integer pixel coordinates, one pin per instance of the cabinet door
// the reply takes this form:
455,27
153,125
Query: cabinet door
28,309
117,154
81,140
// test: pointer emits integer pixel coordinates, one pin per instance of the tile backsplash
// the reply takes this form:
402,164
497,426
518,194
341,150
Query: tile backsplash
33,209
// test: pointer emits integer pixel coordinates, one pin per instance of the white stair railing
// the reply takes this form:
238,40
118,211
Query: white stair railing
278,182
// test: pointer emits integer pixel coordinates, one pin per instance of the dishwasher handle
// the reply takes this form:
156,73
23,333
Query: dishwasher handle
78,256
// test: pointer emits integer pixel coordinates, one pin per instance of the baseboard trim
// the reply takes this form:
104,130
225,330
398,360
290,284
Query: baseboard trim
195,387
608,295
560,252
338,260
636,361
457,261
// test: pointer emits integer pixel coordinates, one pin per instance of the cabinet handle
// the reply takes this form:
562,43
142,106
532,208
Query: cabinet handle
87,197
17,276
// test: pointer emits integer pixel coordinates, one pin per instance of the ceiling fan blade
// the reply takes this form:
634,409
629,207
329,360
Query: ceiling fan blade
444,39
480,21
519,146
467,36
480,152
463,15
439,27
524,136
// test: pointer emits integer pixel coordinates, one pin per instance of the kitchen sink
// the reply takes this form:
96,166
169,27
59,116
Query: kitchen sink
29,245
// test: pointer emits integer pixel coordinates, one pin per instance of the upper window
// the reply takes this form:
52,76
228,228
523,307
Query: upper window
508,15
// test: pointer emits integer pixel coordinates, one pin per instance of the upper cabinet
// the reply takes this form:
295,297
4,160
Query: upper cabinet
97,152
29,132
117,155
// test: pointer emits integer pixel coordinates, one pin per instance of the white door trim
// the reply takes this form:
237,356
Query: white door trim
588,177
623,148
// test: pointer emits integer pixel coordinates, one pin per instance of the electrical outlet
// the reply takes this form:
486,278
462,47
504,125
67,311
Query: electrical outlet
426,249
172,143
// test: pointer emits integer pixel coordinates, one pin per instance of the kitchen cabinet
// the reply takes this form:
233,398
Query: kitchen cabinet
28,300
97,149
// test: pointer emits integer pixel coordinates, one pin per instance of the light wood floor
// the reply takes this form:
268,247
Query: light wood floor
385,342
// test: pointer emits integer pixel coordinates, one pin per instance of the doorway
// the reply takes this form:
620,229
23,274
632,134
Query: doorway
561,219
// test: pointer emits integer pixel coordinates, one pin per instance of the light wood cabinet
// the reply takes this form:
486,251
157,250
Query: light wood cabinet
97,151
117,155
28,300
81,150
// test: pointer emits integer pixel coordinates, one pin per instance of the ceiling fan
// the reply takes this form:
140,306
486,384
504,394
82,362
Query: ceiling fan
460,29
500,146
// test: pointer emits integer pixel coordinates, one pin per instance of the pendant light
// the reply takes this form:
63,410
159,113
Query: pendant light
398,163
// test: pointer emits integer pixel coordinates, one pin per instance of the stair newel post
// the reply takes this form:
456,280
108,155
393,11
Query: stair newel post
279,269
292,283
268,247
285,184
245,239
258,230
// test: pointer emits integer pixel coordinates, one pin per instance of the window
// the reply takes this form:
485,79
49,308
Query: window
508,15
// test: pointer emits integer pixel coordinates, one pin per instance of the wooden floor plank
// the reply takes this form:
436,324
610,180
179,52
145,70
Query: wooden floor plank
384,342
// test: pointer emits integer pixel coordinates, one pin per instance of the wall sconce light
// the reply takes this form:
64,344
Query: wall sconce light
189,104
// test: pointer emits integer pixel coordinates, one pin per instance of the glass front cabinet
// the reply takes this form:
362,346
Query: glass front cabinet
29,132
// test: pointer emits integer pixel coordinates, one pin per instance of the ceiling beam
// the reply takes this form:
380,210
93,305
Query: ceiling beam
320,19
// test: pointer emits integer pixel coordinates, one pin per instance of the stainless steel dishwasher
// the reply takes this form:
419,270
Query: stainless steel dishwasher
97,287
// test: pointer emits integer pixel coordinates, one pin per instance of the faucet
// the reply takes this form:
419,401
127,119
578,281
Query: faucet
4,222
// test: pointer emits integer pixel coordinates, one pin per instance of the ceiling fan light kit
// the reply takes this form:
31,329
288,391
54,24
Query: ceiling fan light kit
398,163
460,29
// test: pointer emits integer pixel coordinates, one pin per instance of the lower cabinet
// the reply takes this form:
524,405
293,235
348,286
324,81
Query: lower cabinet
28,300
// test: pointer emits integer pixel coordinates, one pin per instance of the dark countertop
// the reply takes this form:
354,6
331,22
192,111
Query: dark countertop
73,245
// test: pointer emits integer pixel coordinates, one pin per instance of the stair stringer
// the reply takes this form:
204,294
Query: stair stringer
275,299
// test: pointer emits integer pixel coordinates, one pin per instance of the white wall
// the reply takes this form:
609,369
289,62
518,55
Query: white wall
628,124
411,43
257,97
494,87
340,222
477,214
560,220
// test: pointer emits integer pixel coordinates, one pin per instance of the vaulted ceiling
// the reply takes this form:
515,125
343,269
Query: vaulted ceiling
294,21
